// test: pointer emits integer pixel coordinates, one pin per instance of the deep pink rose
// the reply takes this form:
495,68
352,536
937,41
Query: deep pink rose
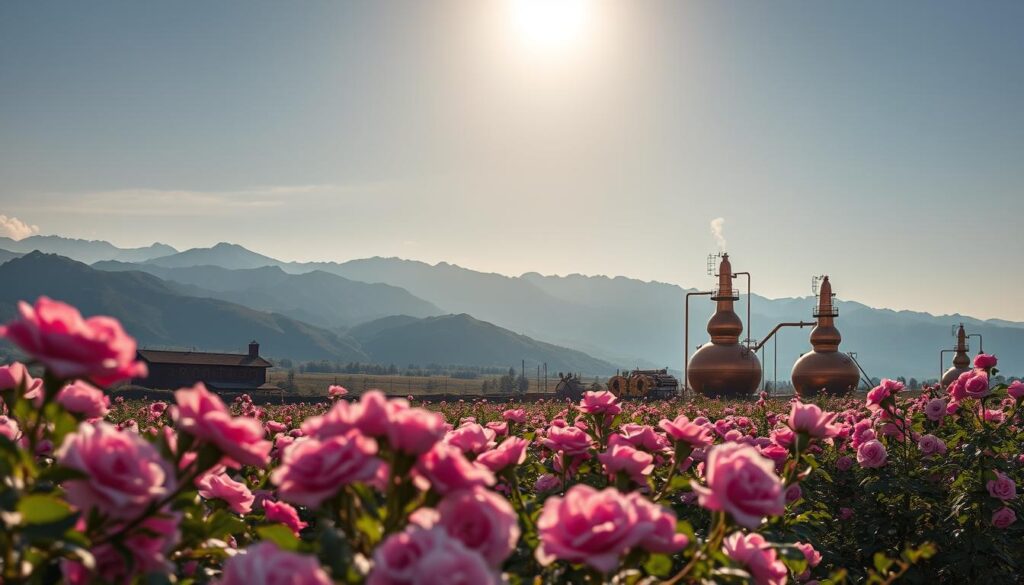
1002,487
517,415
589,526
644,437
427,556
984,361
844,463
1003,517
761,561
810,420
125,474
202,414
72,347
977,385
148,546
16,374
682,430
603,402
340,419
1016,389
265,564
313,470
415,430
284,513
483,520
375,411
9,428
445,469
511,452
85,399
572,441
872,454
884,390
621,457
221,487
931,445
335,391
741,482
662,538
471,438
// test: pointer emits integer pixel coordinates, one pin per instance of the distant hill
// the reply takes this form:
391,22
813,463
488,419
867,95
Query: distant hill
315,297
461,339
223,254
160,317
87,251
6,255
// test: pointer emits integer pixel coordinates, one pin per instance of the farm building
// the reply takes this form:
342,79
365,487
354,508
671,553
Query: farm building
227,372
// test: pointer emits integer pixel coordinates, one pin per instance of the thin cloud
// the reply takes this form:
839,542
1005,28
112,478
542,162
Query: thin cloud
16,229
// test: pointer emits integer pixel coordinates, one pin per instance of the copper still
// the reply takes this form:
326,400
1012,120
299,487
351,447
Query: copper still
724,367
825,368
961,361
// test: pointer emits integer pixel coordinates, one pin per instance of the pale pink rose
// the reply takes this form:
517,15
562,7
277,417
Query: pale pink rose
756,555
1002,487
644,437
415,430
810,420
313,470
264,563
602,402
681,430
984,361
9,428
977,385
517,415
124,473
445,470
511,452
72,347
483,520
741,482
784,437
335,391
471,438
931,445
284,513
221,487
16,374
662,538
425,556
1003,517
589,526
812,556
339,420
1016,389
85,399
935,409
569,440
203,415
273,427
872,454
621,457
500,428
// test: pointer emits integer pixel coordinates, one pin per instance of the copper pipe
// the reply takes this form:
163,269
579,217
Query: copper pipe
981,341
943,352
686,335
800,324
750,328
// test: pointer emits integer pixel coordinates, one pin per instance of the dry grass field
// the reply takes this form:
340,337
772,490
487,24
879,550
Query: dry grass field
315,384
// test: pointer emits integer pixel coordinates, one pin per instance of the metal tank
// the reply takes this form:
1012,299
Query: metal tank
825,368
961,361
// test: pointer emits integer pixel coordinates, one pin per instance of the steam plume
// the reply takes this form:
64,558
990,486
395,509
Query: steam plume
717,227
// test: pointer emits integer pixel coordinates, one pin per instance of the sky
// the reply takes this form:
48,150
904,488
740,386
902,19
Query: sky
879,142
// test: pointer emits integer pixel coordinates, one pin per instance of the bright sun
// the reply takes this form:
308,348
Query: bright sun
547,25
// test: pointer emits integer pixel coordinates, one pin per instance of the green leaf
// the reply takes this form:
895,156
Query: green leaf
42,509
658,565
280,535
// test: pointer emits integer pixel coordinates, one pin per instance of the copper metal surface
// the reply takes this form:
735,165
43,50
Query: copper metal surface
961,361
825,368
723,367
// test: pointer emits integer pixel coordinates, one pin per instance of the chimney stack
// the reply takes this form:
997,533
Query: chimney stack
254,349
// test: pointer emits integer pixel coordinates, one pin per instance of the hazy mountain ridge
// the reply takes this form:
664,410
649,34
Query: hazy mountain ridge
87,251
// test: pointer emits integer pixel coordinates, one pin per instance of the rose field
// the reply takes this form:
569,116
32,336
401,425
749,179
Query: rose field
895,486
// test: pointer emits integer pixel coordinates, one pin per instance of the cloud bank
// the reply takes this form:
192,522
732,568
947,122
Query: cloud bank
16,229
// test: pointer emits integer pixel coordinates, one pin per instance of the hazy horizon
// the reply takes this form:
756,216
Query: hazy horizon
880,143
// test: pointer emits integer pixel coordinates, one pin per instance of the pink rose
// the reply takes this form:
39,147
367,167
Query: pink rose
935,409
265,564
569,440
517,415
124,473
1002,487
644,437
284,513
9,428
16,374
603,402
72,347
844,463
471,438
812,556
313,470
621,457
589,526
511,452
483,521
1003,517
810,420
375,412
427,556
931,445
1016,390
335,391
340,419
984,361
445,469
147,546
871,454
681,430
793,493
662,538
880,393
84,399
221,487
741,482
202,414
753,552
415,430
977,385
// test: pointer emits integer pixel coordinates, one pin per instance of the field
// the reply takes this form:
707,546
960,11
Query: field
314,384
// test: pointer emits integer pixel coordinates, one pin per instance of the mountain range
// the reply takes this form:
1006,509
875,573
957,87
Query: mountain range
623,321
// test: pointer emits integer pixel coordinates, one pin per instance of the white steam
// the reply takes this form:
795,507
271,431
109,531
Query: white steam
717,228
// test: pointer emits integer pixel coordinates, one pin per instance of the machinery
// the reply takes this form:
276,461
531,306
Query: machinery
825,368
653,384
569,387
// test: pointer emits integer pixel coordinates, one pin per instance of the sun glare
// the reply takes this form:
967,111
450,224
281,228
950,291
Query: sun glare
548,25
